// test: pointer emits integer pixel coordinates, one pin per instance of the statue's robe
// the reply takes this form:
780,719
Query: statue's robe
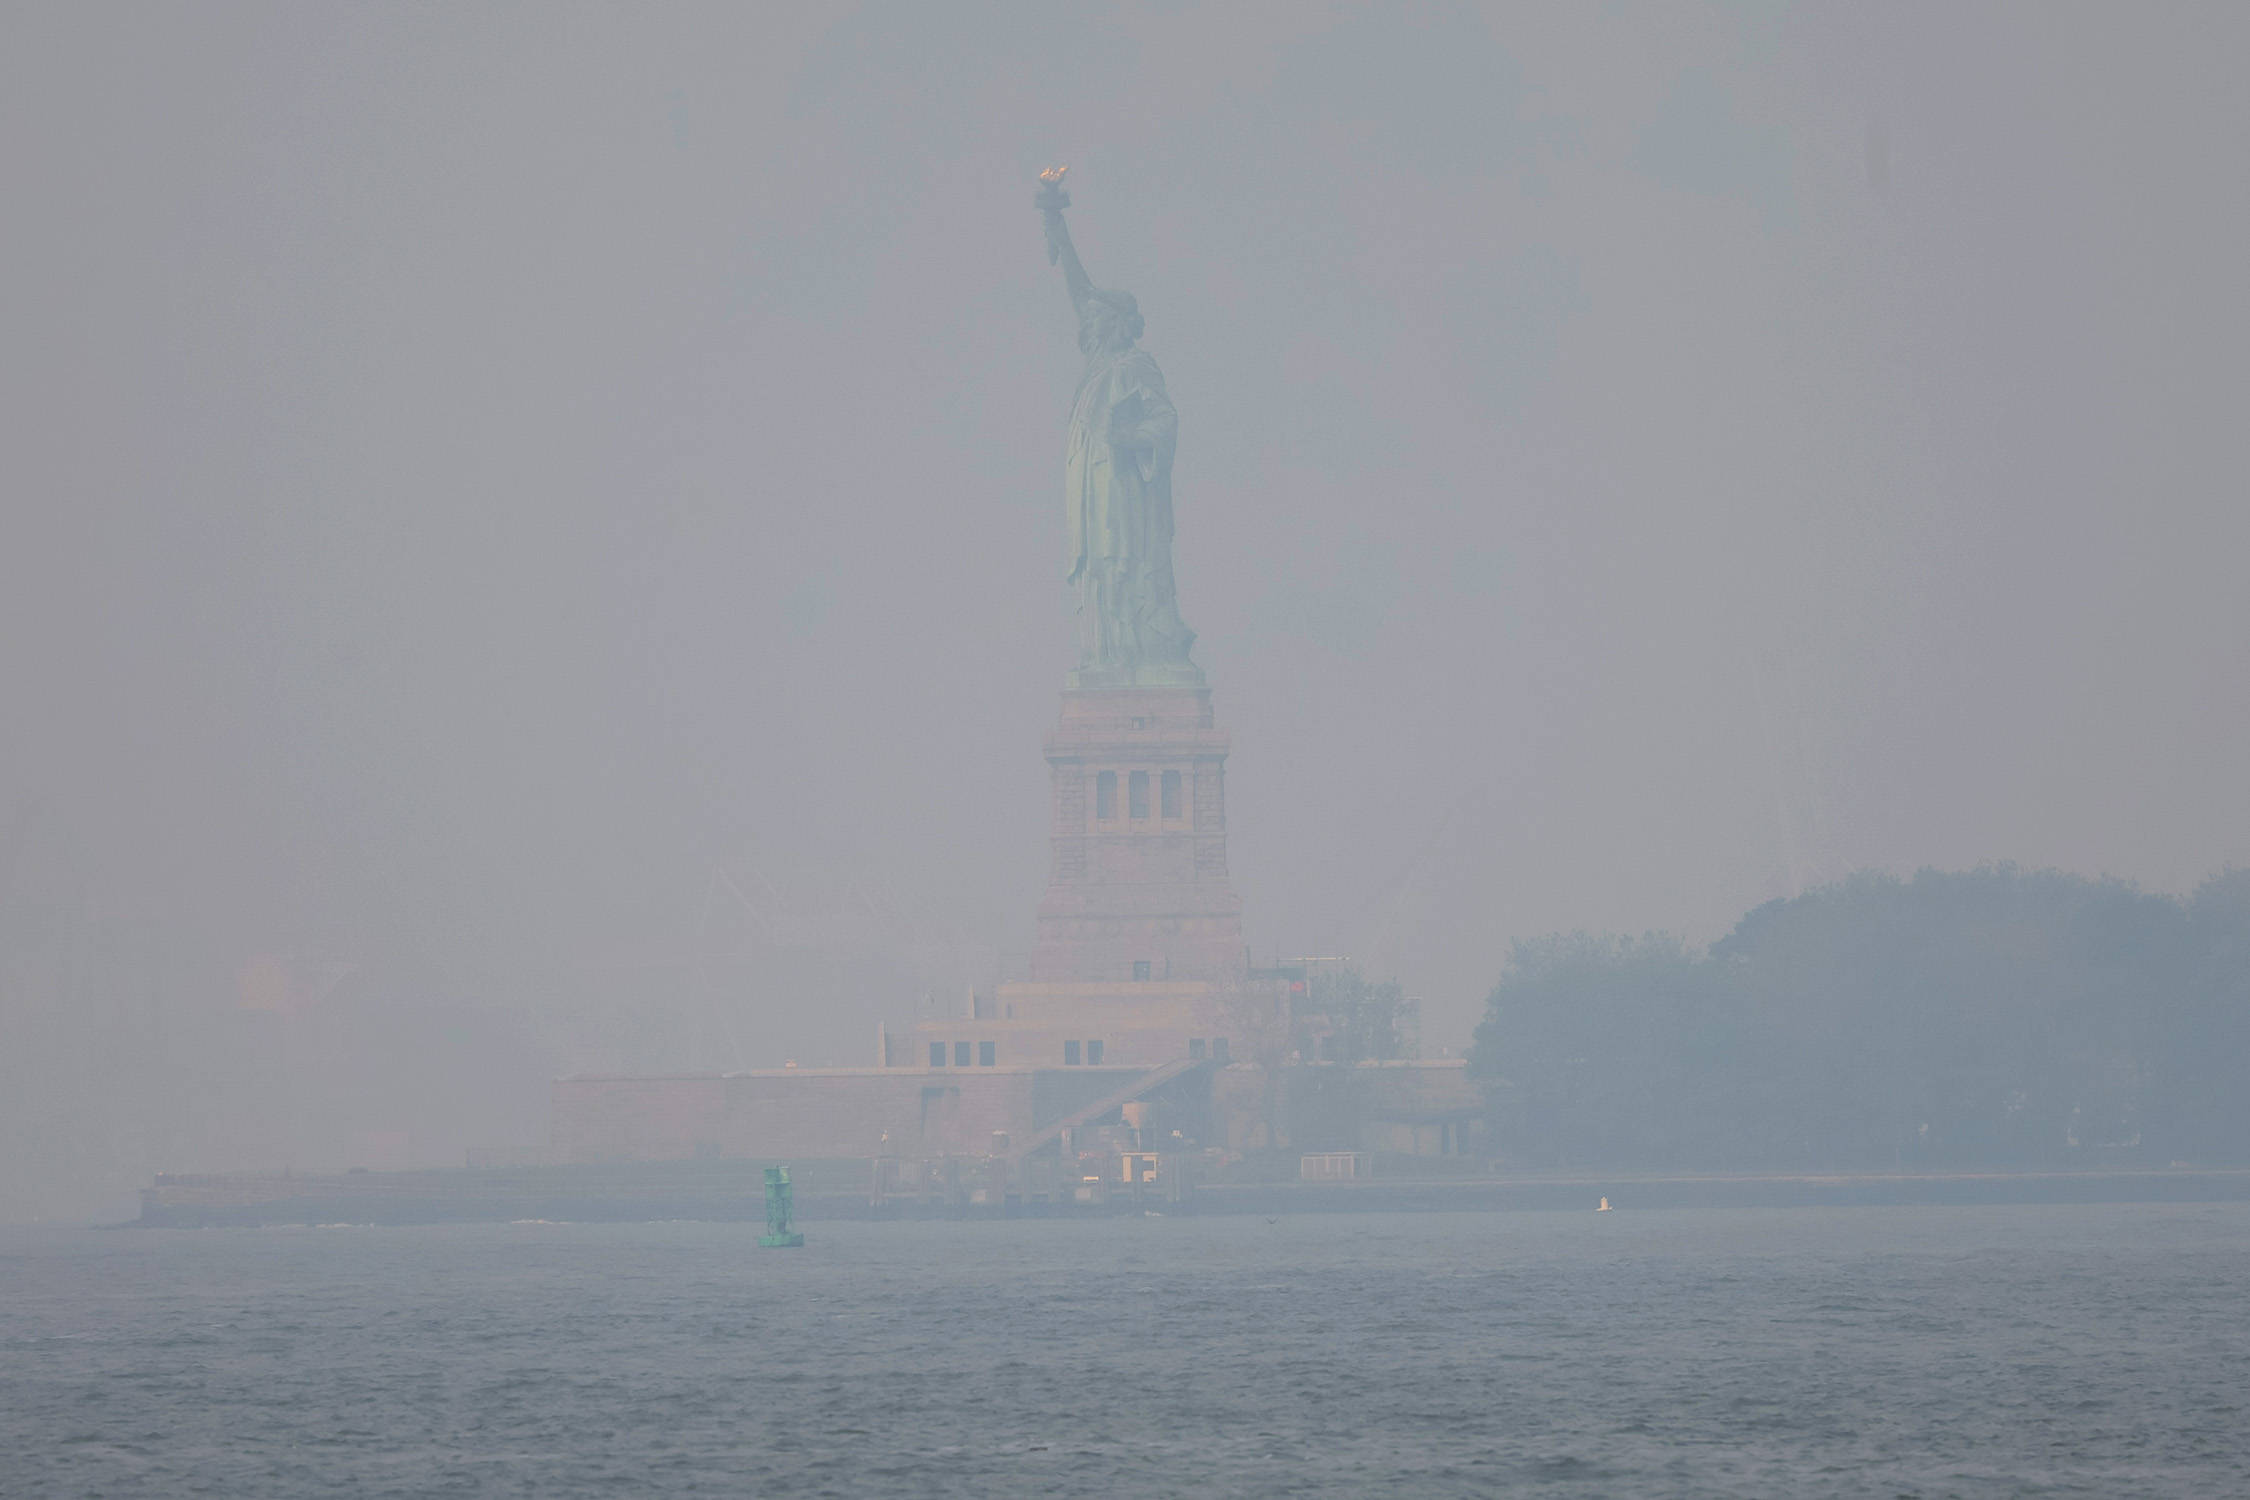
1118,498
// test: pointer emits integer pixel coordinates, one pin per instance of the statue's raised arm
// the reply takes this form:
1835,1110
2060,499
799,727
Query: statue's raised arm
1051,201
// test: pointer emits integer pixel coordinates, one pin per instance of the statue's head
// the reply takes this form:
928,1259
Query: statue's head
1112,321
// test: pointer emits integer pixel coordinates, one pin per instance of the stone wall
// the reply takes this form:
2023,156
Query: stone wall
1426,1108
620,1118
814,1113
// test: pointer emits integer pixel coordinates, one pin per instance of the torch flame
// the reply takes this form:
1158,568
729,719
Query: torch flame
1053,176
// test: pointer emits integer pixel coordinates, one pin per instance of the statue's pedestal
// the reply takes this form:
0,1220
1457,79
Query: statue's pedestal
1140,959
1138,888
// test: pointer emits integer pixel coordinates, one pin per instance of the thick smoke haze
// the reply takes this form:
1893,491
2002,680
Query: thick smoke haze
530,538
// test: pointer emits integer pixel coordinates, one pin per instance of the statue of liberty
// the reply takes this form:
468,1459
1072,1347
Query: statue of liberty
1117,487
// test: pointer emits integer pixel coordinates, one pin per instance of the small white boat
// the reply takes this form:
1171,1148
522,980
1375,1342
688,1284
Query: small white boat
1604,1208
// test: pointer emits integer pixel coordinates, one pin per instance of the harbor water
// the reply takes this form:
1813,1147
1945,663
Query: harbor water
2099,1350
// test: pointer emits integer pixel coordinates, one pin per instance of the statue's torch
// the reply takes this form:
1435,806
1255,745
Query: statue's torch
1051,200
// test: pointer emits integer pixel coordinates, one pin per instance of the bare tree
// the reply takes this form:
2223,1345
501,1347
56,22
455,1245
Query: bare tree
1253,1016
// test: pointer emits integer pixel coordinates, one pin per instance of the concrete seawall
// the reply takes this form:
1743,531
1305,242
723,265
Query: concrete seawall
733,1190
1628,1191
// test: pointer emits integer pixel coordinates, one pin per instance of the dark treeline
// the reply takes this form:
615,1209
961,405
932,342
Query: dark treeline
1993,1018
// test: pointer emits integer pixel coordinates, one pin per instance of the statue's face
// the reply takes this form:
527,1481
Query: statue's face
1104,329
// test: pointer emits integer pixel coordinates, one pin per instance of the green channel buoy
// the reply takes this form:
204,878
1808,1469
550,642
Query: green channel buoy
781,1233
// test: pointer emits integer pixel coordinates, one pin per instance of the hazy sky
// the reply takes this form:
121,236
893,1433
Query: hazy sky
469,474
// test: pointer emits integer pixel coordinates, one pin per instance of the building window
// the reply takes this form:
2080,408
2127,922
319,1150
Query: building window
960,1054
1070,1054
1195,1048
937,1054
1172,795
1105,796
985,1054
1094,1054
1139,794
1140,970
1219,1049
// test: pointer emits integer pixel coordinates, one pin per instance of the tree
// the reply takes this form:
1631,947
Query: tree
1599,1049
1253,1015
1991,1017
1344,1018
